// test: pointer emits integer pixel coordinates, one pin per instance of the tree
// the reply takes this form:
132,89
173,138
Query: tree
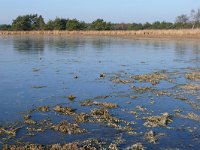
147,25
57,24
22,23
28,22
156,25
100,24
49,25
74,24
60,24
195,17
108,26
182,19
38,23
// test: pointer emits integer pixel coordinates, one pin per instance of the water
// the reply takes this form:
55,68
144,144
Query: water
52,62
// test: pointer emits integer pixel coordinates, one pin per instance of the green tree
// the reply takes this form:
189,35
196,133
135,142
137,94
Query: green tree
109,26
98,24
28,22
60,24
147,25
22,23
74,24
38,23
49,25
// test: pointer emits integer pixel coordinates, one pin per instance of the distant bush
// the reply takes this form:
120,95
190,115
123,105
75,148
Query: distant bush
35,22
5,27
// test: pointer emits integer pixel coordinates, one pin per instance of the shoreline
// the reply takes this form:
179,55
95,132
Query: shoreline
185,33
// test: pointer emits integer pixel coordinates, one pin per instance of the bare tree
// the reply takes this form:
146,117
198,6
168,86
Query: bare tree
195,17
182,19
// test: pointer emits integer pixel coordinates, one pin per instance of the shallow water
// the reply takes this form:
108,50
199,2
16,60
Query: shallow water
40,70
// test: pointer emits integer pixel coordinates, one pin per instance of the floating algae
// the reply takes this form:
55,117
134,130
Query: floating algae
103,104
82,117
151,137
11,132
190,87
68,128
28,120
141,90
43,108
103,115
90,144
191,116
64,110
71,97
122,81
156,121
154,78
137,146
193,76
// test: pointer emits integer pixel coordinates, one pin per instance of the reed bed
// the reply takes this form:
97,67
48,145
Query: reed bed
185,33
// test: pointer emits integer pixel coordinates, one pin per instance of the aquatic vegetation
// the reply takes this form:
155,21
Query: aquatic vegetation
151,137
133,97
190,87
141,90
103,104
64,110
154,78
68,128
141,108
43,108
113,147
156,121
11,132
103,115
191,116
194,105
193,76
82,117
90,144
71,97
137,146
122,81
29,121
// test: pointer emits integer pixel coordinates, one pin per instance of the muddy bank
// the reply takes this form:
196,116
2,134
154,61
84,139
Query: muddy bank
187,33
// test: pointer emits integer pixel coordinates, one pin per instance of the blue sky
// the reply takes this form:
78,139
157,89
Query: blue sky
89,10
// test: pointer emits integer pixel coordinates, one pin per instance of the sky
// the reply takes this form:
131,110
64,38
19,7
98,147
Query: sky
118,11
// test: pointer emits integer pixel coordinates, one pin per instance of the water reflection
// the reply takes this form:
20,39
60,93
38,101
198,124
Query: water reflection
60,44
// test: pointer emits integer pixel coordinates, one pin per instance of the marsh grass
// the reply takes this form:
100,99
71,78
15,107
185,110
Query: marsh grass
183,33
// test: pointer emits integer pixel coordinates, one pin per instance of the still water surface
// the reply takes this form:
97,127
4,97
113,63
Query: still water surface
52,62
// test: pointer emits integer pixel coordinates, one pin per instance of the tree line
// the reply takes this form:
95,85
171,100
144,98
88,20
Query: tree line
36,22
